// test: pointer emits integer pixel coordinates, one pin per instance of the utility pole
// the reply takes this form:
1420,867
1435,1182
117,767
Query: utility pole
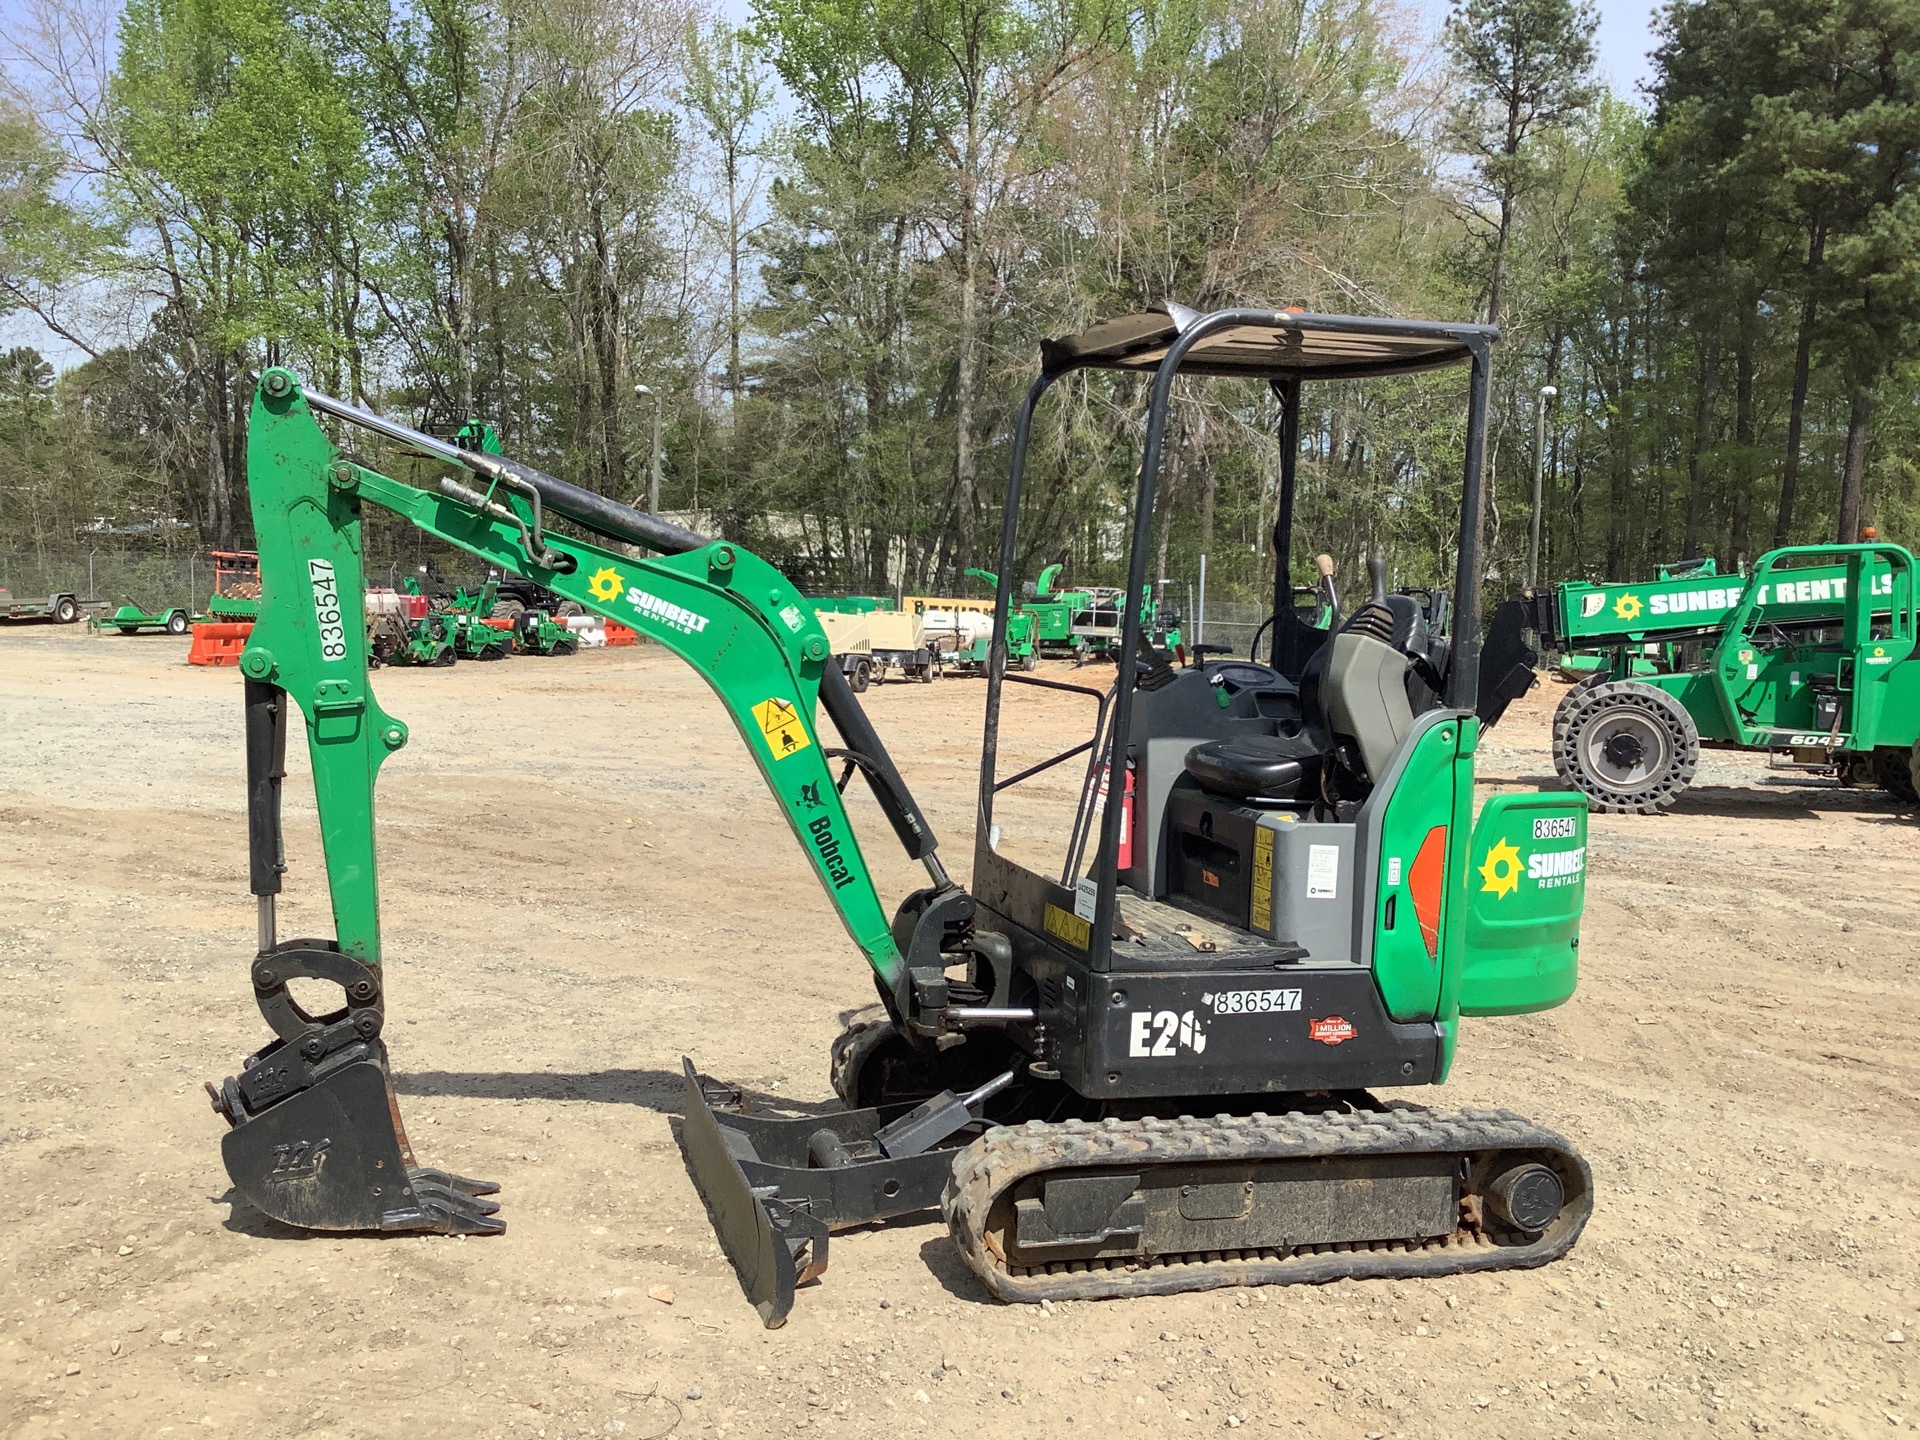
653,454
1547,392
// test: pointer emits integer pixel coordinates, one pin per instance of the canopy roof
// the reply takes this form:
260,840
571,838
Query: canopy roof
1269,344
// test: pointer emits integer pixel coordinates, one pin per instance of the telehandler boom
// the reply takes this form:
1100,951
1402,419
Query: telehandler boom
1290,903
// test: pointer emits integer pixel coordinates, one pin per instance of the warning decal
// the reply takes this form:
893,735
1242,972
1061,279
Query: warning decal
1263,879
1070,928
780,724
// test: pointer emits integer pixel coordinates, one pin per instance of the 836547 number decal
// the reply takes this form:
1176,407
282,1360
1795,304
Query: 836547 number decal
326,610
1253,1002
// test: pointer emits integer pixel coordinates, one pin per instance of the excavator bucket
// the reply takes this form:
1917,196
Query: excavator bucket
332,1156
316,1139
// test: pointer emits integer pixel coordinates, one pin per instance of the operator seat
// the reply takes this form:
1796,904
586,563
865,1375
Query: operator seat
1256,769
1354,697
1355,690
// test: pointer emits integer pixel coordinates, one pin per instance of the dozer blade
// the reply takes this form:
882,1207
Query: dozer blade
773,1246
331,1155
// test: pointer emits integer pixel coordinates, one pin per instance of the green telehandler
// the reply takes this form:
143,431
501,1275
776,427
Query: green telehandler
1807,656
1289,903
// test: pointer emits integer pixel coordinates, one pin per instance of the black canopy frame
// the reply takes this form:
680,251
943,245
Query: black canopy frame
1286,348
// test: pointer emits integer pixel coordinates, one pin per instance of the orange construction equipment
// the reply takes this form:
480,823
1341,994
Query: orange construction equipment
219,642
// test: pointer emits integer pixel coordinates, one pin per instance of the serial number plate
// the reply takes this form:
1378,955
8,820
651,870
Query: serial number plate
1253,1002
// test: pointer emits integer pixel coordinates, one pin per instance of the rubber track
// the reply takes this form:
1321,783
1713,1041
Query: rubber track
1002,1158
867,1031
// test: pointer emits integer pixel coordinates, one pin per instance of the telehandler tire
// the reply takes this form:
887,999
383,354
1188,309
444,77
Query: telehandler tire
1893,771
1574,698
1630,748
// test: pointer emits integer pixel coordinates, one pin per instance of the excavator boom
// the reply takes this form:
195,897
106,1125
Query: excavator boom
316,1139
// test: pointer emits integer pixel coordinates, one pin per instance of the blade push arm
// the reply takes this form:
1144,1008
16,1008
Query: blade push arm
725,611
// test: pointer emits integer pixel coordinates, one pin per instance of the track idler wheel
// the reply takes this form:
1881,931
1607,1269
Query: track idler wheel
1629,747
316,1141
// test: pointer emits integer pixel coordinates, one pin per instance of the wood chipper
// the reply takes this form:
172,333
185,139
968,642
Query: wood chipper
1146,1066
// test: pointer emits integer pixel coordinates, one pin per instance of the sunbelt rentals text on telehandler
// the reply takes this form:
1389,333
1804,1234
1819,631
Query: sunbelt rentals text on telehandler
1146,1070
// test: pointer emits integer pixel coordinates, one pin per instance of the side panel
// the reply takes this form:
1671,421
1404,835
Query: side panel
1526,885
1591,615
1415,827
1897,720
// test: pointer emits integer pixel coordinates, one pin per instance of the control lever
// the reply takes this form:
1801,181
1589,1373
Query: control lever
1324,564
1377,575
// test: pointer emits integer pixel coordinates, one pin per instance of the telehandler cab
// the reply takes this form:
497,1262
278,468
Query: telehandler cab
1291,903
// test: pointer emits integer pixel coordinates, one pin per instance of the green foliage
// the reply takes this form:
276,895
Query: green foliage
831,242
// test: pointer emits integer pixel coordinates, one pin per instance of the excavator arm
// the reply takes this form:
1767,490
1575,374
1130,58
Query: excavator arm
316,1139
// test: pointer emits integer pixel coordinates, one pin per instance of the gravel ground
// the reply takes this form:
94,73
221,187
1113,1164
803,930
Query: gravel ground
584,880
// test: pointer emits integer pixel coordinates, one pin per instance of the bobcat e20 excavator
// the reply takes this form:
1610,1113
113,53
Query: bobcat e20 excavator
1145,1070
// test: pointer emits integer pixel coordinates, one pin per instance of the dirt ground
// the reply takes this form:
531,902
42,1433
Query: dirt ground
584,880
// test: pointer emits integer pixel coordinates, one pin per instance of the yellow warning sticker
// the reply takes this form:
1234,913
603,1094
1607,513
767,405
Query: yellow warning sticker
1068,927
1263,879
780,724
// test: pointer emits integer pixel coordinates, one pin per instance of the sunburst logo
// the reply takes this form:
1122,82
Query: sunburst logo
1500,871
605,583
1628,607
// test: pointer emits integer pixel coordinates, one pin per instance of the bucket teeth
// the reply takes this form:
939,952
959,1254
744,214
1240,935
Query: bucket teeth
452,1204
451,1181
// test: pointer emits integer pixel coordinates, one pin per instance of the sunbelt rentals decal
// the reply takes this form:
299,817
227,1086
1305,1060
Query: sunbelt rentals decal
1504,864
606,583
1826,589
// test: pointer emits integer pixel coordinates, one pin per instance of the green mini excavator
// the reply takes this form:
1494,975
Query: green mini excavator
1148,1065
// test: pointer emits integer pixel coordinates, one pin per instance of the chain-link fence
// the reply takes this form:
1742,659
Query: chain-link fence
1227,623
152,578
155,577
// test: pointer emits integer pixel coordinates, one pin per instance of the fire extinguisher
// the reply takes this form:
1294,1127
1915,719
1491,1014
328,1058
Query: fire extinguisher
1125,861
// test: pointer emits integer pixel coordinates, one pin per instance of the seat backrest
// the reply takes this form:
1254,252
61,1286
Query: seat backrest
1363,691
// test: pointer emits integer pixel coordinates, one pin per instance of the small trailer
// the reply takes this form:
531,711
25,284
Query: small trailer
964,640
61,608
870,644
131,619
